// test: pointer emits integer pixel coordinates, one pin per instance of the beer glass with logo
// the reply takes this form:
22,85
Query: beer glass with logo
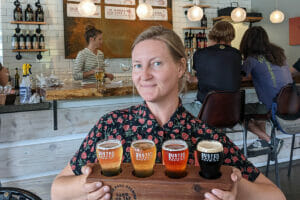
143,155
99,75
109,154
210,157
175,155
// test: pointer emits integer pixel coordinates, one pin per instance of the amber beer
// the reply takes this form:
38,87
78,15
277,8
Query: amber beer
109,154
143,155
175,155
210,157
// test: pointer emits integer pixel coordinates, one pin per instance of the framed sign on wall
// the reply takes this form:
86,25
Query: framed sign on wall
294,24
117,20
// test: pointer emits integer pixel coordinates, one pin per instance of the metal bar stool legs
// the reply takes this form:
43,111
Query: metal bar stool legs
245,137
291,155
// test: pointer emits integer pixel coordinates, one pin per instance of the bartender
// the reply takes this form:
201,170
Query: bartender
90,59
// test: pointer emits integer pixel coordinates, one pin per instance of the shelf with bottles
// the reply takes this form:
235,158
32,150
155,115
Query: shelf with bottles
228,18
195,28
29,50
28,22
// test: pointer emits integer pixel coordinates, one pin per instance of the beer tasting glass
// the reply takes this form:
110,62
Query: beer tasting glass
175,155
109,154
99,75
210,157
143,155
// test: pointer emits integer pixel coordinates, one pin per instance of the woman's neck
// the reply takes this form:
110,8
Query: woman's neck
92,48
164,110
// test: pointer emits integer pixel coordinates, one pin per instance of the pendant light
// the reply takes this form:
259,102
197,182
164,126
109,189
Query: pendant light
238,14
276,16
86,8
144,10
195,13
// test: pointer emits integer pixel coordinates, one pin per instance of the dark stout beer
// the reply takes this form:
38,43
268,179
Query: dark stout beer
210,157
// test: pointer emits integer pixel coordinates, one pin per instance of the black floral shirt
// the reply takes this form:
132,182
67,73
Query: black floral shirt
137,122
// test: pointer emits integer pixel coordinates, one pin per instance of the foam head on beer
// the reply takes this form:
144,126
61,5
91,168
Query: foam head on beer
143,155
109,154
175,155
210,157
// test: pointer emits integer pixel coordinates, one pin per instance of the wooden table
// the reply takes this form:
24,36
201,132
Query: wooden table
159,186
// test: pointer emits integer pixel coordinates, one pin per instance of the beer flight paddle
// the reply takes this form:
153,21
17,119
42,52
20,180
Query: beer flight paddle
174,180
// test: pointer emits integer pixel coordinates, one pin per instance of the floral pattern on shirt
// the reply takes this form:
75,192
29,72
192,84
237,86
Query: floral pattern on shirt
137,122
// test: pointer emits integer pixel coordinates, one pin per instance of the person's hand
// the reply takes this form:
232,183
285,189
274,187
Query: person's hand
110,76
95,190
217,194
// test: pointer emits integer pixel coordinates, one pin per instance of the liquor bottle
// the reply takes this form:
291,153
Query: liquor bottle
28,41
22,41
15,41
186,39
35,42
204,21
194,42
29,13
202,41
18,16
190,40
198,39
205,40
17,79
41,41
39,14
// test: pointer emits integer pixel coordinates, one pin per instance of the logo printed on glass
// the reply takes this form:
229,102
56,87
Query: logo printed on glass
143,156
106,155
210,157
176,156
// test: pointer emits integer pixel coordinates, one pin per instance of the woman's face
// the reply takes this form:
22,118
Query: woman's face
155,73
97,40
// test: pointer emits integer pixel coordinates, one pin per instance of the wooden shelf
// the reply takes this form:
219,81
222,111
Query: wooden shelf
28,23
228,18
29,50
191,5
195,28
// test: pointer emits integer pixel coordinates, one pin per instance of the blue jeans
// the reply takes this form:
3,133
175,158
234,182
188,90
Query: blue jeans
193,108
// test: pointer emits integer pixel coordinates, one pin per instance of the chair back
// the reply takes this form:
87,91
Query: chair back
288,102
221,109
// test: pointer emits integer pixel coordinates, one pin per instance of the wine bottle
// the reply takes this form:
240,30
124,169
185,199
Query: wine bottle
29,13
17,80
28,41
18,16
204,21
22,43
41,41
35,42
39,14
15,41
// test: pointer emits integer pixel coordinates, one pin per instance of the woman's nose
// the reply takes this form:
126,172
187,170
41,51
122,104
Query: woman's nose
146,73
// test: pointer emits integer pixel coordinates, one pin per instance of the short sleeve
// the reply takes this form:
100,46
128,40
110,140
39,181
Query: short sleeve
78,66
87,150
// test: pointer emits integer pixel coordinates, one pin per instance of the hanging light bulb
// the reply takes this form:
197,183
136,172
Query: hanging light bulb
86,8
144,10
195,13
238,14
276,16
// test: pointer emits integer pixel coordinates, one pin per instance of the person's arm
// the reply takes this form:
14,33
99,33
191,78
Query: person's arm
69,186
78,66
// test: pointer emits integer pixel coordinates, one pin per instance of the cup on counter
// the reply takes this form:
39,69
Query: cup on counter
175,156
100,75
210,157
109,154
143,155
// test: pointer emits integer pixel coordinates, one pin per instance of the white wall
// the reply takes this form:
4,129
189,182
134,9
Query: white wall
279,33
54,60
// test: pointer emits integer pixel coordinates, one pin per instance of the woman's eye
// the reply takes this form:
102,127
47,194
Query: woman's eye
137,66
157,64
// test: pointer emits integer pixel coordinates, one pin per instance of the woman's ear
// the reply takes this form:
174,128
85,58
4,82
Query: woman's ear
182,67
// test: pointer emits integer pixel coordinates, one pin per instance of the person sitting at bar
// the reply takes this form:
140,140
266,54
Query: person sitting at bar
156,53
296,68
90,59
266,63
218,67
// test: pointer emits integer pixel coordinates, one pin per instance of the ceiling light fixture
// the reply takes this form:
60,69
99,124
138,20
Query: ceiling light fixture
144,10
86,8
276,16
238,14
195,13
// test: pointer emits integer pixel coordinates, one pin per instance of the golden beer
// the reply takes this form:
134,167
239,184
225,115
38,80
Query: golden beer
143,155
100,76
109,154
175,156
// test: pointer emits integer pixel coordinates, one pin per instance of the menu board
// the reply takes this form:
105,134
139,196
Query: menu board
117,20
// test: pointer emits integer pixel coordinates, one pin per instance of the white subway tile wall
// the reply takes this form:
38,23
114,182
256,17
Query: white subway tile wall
54,60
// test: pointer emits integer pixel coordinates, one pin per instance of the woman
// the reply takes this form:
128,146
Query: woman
157,53
90,59
266,63
218,67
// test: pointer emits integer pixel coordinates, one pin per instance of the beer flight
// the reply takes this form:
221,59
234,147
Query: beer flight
175,155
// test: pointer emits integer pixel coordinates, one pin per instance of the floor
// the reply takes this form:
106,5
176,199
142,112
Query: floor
289,186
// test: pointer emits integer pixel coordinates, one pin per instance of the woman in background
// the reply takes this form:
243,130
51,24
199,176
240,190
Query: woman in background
90,59
266,63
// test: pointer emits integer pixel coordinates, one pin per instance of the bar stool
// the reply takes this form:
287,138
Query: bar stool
285,110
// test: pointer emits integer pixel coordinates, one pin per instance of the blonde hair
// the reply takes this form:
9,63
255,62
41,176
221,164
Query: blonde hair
222,31
172,41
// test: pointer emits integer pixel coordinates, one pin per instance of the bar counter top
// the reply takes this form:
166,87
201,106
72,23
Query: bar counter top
77,90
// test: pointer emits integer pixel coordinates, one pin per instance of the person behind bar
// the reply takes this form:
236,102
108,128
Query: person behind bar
90,59
218,67
296,68
159,65
266,63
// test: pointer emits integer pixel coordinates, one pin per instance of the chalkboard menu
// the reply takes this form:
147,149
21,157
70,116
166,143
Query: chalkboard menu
117,20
